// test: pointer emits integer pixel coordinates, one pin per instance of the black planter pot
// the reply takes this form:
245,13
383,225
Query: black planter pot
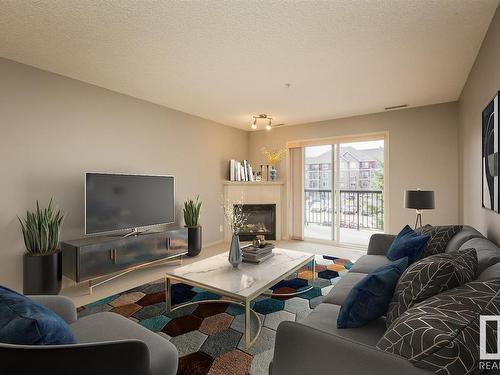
42,274
194,241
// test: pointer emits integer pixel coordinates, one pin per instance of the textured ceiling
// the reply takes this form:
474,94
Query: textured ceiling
227,60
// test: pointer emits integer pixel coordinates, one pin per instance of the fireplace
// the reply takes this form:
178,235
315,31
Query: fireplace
261,221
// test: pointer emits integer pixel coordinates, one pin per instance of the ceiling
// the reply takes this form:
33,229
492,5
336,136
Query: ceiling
228,60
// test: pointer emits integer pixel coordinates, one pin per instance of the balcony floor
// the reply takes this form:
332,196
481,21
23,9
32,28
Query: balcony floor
347,235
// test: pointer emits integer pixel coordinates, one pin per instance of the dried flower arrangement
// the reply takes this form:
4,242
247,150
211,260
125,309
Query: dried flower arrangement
273,157
235,217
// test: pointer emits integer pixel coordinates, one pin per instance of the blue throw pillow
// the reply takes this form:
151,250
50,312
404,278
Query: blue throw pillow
24,322
407,244
370,297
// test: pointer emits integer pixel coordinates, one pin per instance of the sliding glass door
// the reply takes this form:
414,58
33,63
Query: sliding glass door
344,191
318,193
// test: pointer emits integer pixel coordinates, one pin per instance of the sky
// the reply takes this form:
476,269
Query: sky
318,150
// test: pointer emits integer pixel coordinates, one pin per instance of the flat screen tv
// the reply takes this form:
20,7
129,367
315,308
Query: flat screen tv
122,201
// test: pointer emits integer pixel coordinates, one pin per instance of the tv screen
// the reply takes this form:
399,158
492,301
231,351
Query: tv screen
118,201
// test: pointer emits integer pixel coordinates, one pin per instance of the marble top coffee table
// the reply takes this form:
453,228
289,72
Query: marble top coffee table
242,284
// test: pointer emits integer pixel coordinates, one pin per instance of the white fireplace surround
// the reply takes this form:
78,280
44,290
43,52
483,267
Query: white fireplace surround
256,193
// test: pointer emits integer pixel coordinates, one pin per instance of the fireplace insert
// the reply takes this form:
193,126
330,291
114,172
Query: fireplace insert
261,221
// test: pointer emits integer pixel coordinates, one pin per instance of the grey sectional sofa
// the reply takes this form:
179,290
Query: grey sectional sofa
316,346
108,344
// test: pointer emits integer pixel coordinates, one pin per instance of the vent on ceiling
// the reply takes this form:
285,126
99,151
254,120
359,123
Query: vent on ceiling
396,107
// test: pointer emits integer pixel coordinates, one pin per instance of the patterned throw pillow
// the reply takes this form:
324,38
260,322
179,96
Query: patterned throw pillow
441,334
430,276
439,238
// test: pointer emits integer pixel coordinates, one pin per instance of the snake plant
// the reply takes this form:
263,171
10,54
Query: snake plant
192,212
41,229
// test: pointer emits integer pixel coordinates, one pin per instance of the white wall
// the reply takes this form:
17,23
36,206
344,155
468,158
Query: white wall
423,153
53,129
481,86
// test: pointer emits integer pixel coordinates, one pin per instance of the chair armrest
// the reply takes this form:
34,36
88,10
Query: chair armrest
126,357
61,305
319,352
380,243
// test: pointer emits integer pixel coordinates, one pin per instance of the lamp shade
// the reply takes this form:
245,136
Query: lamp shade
419,199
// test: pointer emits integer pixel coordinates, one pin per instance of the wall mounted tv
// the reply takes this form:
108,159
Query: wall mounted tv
122,201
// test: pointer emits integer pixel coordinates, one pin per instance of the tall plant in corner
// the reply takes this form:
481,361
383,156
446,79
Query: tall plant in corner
42,261
192,210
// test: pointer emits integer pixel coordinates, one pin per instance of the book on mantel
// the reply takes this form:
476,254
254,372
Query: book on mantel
257,255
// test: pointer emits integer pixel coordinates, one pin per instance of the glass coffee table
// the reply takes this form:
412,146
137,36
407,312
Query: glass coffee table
240,285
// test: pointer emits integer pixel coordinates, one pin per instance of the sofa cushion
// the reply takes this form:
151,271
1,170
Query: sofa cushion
430,276
462,237
109,326
24,322
407,244
369,298
490,273
342,288
439,238
441,334
369,263
487,252
324,318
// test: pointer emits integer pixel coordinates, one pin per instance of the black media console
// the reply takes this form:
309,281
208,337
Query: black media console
92,258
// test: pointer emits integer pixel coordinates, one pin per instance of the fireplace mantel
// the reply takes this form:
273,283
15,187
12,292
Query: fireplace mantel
253,183
258,192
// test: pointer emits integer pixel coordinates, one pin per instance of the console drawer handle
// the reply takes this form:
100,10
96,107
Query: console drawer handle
113,255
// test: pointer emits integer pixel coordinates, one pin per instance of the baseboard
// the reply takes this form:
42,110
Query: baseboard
214,243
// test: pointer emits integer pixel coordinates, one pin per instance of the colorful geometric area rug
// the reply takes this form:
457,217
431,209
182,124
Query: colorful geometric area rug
209,336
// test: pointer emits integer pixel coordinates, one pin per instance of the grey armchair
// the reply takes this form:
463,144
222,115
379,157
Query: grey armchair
107,344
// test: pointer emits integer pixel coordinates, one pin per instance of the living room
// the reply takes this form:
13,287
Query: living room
266,160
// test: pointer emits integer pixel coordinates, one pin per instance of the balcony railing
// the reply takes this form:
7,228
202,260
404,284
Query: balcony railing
358,209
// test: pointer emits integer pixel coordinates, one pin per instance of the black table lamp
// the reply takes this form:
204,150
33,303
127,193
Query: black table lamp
419,200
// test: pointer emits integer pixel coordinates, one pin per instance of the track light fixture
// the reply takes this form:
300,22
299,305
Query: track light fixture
254,124
269,125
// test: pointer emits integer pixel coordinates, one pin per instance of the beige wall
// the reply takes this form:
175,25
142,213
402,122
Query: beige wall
480,88
53,129
423,154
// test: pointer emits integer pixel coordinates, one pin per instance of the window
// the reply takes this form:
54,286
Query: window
338,202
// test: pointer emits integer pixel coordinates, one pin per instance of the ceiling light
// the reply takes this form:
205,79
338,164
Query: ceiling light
254,124
268,126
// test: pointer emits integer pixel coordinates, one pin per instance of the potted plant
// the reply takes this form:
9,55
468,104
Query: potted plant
191,219
42,266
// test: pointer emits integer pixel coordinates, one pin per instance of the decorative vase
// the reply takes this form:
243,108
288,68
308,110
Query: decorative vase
42,274
235,251
273,173
194,241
